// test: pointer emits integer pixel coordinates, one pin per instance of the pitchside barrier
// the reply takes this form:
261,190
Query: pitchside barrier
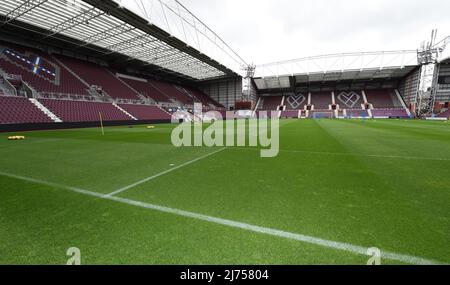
74,125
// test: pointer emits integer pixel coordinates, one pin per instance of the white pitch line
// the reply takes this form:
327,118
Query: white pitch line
50,184
162,173
360,250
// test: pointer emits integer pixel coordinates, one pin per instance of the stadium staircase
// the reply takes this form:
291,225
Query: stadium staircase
159,89
91,91
125,112
402,102
147,90
46,111
17,110
71,72
257,106
146,112
143,98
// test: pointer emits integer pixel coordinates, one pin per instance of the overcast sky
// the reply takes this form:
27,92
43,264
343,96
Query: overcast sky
264,31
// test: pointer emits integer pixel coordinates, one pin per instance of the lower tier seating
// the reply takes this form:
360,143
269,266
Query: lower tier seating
19,110
78,111
445,114
290,114
271,102
357,113
391,112
144,112
381,99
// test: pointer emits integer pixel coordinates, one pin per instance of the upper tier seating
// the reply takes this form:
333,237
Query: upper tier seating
16,110
59,81
349,100
172,92
271,102
147,90
321,100
80,111
97,75
296,102
205,99
380,98
145,112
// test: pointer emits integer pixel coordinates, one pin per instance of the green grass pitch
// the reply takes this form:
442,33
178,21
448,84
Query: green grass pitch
374,183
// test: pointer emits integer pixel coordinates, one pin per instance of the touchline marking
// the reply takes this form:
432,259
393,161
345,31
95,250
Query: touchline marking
50,184
162,173
349,154
234,224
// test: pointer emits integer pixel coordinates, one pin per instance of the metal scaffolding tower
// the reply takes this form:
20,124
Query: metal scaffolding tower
427,56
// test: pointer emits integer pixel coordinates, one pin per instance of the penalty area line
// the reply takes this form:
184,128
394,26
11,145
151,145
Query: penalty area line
123,189
360,250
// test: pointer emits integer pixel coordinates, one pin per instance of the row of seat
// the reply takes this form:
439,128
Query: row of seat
350,100
16,110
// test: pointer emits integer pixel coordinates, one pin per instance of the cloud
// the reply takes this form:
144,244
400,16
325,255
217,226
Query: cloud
263,31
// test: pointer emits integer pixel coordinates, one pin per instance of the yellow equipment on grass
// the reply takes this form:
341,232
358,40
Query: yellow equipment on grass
16,138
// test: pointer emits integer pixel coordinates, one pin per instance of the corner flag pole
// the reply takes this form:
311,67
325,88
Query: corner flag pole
101,123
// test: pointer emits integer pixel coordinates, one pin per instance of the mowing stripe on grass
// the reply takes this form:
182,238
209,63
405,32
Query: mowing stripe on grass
234,224
162,173
350,154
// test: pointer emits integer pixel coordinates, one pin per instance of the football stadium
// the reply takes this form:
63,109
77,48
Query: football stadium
339,159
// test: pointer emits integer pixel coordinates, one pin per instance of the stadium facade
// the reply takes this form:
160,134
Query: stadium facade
69,61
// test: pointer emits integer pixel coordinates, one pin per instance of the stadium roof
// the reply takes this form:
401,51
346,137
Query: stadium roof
108,28
336,67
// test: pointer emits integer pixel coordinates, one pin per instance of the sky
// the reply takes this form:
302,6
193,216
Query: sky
265,31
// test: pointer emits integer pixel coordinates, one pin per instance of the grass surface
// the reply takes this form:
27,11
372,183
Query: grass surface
379,183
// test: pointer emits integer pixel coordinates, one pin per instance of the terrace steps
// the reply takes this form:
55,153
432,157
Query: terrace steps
125,112
45,110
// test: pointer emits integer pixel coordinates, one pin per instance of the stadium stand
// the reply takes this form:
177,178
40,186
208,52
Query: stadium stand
262,114
147,89
390,113
296,102
81,111
171,92
380,99
385,104
321,101
353,113
349,100
270,103
99,76
16,110
445,114
145,112
20,64
290,114
202,97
